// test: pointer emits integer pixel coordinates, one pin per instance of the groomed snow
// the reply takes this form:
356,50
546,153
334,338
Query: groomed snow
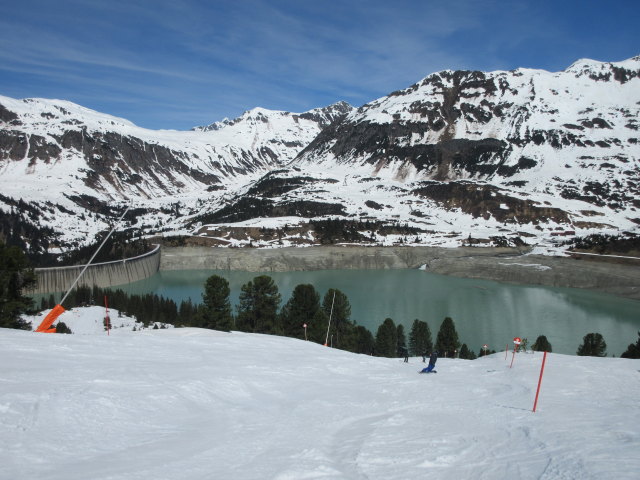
201,404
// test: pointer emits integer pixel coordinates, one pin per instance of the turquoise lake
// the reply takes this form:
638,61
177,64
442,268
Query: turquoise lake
484,312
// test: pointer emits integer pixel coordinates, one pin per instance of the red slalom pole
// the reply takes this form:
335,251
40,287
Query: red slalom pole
535,403
515,347
516,344
506,351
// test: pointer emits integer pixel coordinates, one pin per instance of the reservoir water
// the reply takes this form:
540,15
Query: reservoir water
484,312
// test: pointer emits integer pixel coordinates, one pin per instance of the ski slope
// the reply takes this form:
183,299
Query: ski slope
200,404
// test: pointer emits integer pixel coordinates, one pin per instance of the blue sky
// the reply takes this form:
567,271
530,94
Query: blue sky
177,64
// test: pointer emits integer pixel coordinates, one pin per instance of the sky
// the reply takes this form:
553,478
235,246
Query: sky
178,64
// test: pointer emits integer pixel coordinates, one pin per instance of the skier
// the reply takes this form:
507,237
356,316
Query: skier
432,362
405,353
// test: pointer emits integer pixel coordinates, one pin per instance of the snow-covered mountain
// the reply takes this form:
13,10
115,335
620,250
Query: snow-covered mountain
524,154
500,126
508,156
65,161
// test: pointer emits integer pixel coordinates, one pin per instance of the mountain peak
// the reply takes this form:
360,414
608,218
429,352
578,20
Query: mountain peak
321,115
583,64
597,69
46,111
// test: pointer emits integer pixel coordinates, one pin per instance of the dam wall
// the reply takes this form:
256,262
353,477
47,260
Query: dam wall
107,274
313,258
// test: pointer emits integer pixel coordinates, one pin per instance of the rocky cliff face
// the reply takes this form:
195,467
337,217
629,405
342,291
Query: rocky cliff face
494,126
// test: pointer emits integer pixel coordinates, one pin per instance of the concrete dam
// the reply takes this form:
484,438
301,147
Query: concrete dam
107,274
500,264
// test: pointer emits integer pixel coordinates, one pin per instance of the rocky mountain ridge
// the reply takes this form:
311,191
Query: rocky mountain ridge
75,167
461,157
467,157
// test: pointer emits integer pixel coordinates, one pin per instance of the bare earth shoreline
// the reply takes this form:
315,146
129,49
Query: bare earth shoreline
500,264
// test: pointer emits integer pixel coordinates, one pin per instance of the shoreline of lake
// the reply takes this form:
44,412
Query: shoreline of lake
510,265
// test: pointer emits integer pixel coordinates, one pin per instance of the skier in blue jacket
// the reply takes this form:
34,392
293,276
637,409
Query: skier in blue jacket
432,362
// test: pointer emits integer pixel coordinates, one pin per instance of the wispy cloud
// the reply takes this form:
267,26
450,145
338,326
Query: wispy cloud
216,59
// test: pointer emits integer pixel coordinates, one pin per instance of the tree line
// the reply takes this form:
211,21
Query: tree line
148,308
607,244
258,312
305,315
325,320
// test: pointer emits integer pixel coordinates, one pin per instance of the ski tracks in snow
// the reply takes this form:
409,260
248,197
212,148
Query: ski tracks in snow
348,444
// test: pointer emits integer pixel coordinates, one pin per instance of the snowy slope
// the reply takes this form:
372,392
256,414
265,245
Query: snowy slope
67,161
90,321
191,403
257,141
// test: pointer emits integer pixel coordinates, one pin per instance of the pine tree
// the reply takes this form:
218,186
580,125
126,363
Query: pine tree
62,327
16,276
363,341
420,342
258,306
304,308
317,329
466,353
447,342
541,344
185,313
336,304
387,339
199,318
633,350
217,312
593,345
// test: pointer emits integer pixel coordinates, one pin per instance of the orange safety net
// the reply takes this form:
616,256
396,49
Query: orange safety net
49,319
